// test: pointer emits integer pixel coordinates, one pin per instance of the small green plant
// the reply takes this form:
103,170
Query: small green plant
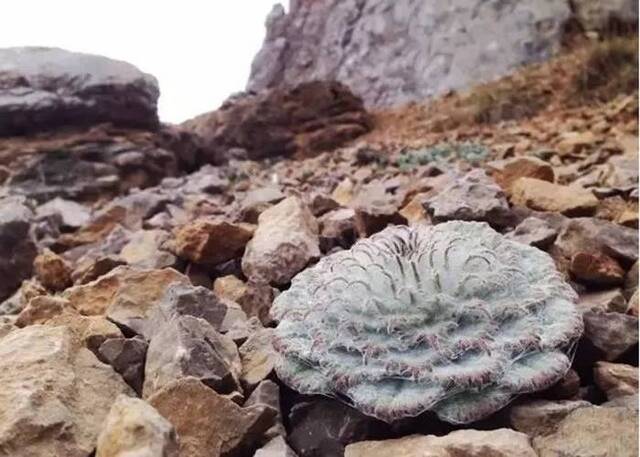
471,152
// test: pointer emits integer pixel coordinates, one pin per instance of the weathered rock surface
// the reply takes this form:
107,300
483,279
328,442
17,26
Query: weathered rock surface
208,424
52,271
534,232
324,427
462,443
189,346
17,248
395,53
144,250
474,197
133,428
541,417
258,357
127,356
593,432
596,269
55,394
506,172
283,244
616,379
277,447
611,333
545,196
210,241
44,88
268,393
304,120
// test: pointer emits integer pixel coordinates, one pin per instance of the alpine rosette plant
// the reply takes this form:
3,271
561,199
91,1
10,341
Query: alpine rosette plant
453,318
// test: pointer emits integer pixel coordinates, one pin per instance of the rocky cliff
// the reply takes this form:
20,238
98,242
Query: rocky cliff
392,52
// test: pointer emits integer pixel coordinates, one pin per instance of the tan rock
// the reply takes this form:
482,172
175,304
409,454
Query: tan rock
344,192
632,305
208,424
133,428
52,271
593,432
254,297
545,196
575,142
462,443
284,242
210,241
506,172
595,268
124,292
616,379
90,331
41,309
55,394
541,417
230,287
144,250
258,357
414,211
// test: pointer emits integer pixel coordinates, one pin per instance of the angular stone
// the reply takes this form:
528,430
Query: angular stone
254,297
596,269
268,393
338,228
414,211
534,232
42,308
325,427
284,242
189,346
593,432
541,417
52,271
17,248
474,197
258,357
127,356
257,201
545,196
604,301
210,241
90,331
55,394
611,333
596,235
631,281
374,210
133,428
126,295
506,172
462,443
616,379
72,214
208,424
92,269
277,447
144,250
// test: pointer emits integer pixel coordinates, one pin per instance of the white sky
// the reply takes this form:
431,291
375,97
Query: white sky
199,50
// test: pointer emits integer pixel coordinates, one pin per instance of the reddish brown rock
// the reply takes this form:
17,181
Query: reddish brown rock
303,120
210,241
208,424
506,172
52,271
597,269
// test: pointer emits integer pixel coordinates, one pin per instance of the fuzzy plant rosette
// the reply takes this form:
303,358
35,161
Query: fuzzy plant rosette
453,318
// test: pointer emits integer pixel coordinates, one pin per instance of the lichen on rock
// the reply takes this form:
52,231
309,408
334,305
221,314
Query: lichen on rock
453,318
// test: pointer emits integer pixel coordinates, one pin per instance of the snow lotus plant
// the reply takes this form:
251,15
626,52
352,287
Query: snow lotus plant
453,318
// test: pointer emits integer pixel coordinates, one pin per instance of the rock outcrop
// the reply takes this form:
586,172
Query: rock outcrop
45,88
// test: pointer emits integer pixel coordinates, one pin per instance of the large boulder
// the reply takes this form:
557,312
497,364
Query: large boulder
303,120
45,88
55,393
391,53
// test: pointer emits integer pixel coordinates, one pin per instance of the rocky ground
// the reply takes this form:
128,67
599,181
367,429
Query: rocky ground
138,265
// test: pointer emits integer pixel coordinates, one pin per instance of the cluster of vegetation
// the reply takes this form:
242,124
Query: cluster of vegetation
468,151
610,69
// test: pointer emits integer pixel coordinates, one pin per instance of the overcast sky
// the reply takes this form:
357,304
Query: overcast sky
200,50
